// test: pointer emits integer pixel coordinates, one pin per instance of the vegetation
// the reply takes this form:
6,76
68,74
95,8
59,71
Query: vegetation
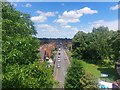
97,46
78,78
74,74
96,53
20,52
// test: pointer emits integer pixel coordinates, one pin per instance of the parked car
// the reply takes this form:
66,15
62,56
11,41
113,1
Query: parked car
59,49
58,65
59,59
58,53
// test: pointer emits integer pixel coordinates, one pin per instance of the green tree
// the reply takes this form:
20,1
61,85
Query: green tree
19,46
21,68
78,78
88,81
115,44
28,76
74,73
95,46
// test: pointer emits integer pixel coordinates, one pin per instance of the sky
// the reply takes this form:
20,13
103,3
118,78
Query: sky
65,19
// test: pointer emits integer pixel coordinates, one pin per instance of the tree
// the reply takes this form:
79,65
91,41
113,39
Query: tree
78,78
20,52
74,74
19,46
95,46
115,44
28,76
89,81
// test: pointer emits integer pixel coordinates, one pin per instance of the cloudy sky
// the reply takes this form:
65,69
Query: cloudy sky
63,20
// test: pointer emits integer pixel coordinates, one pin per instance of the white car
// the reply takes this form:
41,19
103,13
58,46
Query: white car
59,59
59,49
58,65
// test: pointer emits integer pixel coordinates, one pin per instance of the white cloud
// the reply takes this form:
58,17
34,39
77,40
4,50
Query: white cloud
39,18
87,10
42,17
112,25
49,31
48,28
66,26
116,7
47,14
28,5
75,29
73,16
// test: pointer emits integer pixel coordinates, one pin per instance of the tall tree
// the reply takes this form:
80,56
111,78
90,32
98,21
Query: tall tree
74,73
20,52
95,45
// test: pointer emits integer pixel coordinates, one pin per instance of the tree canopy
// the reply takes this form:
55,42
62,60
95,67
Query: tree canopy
100,44
21,68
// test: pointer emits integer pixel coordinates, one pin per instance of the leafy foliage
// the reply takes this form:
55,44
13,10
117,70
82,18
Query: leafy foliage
20,52
74,73
18,44
28,76
78,78
88,80
96,45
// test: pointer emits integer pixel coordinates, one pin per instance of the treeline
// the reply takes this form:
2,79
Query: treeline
101,44
21,68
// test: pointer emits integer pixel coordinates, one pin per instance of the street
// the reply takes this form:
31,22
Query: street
60,72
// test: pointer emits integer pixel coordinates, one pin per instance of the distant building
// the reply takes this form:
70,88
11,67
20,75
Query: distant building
46,51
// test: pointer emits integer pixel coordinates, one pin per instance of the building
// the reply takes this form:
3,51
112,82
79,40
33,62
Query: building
46,51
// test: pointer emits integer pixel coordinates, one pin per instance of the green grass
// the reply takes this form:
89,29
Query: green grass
91,68
98,70
69,54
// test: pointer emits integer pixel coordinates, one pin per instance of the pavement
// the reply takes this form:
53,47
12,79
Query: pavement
59,73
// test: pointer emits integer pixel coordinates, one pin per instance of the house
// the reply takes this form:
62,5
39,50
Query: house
46,51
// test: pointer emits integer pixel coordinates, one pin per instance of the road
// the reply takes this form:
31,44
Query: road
60,73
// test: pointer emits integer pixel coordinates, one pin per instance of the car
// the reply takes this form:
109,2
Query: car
59,60
59,49
58,65
58,53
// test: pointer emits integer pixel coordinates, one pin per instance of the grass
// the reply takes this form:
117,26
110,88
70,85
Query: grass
98,70
91,68
69,54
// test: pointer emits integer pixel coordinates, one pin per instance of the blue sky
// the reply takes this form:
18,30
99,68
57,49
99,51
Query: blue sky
65,19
